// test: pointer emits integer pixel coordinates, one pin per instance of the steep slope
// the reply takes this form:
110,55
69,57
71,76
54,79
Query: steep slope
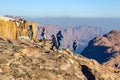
105,49
24,60
82,34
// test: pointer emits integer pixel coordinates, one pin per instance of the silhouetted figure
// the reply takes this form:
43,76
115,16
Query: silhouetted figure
75,46
54,42
59,40
30,32
43,34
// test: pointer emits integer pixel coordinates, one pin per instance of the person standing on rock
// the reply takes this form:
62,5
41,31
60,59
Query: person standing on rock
59,39
43,35
75,46
30,32
54,42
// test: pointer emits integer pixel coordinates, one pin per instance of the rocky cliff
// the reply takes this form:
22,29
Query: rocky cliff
12,28
24,60
105,49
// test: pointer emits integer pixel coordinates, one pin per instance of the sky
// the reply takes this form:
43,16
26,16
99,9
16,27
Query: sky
61,8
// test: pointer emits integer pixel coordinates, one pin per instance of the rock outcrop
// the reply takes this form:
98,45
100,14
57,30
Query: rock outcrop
24,60
15,29
105,49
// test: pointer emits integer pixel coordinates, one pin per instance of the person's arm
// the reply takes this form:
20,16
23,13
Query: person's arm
61,36
44,32
76,45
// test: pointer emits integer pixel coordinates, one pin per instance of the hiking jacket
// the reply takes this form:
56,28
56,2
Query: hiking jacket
74,45
59,36
54,41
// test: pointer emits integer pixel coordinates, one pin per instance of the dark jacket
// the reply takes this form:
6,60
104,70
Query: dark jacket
54,41
42,33
74,45
59,36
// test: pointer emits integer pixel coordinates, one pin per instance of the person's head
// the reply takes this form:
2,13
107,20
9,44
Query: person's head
60,32
43,28
52,36
75,41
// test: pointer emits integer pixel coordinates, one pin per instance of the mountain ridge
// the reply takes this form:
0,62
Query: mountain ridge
105,49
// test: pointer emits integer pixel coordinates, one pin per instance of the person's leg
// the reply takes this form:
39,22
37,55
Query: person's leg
44,40
75,51
41,38
44,37
56,46
31,35
60,45
52,47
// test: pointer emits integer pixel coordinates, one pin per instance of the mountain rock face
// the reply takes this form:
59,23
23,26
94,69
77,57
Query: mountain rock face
25,60
15,29
82,34
105,49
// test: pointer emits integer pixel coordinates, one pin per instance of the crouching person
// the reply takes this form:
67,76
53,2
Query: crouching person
54,42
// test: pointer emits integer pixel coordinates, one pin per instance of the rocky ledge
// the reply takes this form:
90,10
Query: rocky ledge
26,60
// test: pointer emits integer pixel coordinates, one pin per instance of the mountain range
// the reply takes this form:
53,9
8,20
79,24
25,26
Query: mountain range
83,34
105,49
106,24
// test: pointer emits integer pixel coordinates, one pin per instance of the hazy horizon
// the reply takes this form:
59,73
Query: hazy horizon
107,24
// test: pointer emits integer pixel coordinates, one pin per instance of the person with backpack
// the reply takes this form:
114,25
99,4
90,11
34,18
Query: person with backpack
59,39
75,46
54,42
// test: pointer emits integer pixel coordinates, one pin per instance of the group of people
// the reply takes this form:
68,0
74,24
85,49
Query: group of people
57,40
